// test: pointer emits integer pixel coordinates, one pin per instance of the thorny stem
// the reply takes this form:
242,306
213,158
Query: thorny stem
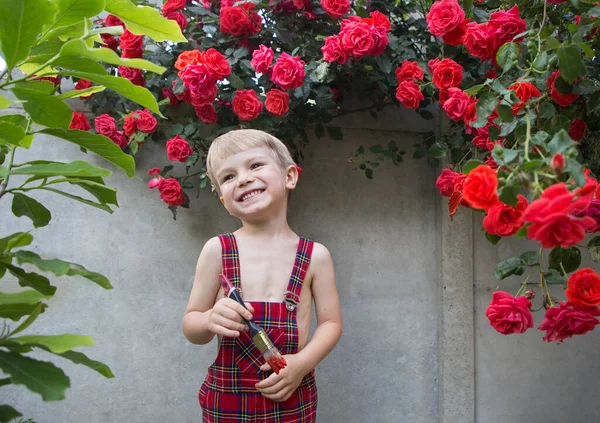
4,183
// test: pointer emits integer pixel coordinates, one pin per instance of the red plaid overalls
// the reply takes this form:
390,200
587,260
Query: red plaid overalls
228,394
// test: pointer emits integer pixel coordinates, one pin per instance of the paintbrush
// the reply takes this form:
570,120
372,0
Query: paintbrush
262,341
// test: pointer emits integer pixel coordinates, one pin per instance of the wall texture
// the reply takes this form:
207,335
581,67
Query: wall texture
414,285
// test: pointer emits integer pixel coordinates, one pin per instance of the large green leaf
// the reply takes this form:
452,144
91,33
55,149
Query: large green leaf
568,259
44,109
39,309
70,12
78,48
10,133
4,102
122,86
24,297
103,193
561,142
82,93
33,280
98,144
507,55
18,239
80,358
145,20
61,268
55,343
569,62
21,21
80,64
15,311
23,205
38,376
485,105
75,168
100,206
7,413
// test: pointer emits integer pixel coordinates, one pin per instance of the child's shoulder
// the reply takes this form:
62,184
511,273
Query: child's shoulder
212,249
320,254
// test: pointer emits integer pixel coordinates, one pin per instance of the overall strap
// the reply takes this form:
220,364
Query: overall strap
303,255
230,258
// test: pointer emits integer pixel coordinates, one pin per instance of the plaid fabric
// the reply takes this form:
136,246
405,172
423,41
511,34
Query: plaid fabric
228,394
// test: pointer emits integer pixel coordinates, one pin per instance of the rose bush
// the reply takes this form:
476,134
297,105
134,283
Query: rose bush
519,83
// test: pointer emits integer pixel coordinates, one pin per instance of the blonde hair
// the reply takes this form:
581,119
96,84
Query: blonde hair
240,140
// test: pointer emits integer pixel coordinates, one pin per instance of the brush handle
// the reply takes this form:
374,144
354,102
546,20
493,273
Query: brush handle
234,294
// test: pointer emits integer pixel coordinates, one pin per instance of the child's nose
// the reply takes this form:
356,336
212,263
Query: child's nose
245,177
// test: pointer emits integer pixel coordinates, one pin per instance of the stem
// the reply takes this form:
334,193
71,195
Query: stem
541,27
527,136
32,74
4,183
4,72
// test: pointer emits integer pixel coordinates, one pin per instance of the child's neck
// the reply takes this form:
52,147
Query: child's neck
272,228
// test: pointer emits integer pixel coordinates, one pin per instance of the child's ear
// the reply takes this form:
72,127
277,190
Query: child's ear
291,177
222,201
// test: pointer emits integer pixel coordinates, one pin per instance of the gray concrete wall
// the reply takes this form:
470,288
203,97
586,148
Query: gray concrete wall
383,237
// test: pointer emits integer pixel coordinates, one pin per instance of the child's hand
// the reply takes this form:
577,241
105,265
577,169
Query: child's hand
226,318
279,387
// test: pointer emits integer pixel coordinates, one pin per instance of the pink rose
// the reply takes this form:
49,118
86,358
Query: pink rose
333,51
508,314
120,139
457,104
262,58
179,18
178,149
336,8
207,113
356,38
288,72
566,320
506,25
445,182
105,125
171,192
444,16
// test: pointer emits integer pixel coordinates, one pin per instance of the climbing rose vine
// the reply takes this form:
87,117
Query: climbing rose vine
512,88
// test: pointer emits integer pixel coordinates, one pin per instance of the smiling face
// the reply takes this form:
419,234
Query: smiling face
252,183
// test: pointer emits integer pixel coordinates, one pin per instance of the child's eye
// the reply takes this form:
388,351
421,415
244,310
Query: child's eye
227,178
255,165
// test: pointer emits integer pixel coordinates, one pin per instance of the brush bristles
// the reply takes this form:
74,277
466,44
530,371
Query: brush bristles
275,359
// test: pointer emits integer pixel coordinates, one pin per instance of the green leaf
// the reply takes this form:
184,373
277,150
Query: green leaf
21,22
61,268
470,165
80,64
80,358
16,311
533,165
70,12
541,62
4,102
145,20
7,413
552,276
44,109
486,104
507,55
505,113
493,239
24,297
570,258
529,258
78,48
18,239
335,133
547,110
121,86
39,309
569,63
23,205
560,143
97,188
552,43
384,63
38,376
75,168
33,280
98,144
10,133
438,150
474,89
235,81
100,206
594,248
82,93
508,267
509,195
55,343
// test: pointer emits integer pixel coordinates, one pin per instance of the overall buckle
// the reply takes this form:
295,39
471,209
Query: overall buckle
291,300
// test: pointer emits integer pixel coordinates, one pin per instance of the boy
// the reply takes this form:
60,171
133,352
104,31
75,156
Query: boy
254,173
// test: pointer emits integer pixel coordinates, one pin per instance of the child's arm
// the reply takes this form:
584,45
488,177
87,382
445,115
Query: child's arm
203,316
329,329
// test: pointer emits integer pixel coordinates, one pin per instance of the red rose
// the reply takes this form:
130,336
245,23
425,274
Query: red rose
508,314
584,288
333,51
105,125
409,71
288,71
577,129
199,98
197,77
207,113
171,192
444,16
455,37
240,20
80,121
457,103
470,115
145,121
336,8
179,18
447,73
178,149
409,94
479,189
154,171
431,65
301,4
506,25
566,320
552,219
109,41
277,102
172,5
188,57
480,40
482,138
379,20
129,125
445,182
134,75
558,162
503,219
120,139
356,38
380,41
167,93
246,104
112,20
443,95
489,161
216,64
262,58
83,84
563,99
523,90
132,45
54,79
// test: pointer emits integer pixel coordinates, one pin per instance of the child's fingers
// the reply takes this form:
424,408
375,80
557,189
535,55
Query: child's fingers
270,381
249,307
234,305
265,367
228,324
272,390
